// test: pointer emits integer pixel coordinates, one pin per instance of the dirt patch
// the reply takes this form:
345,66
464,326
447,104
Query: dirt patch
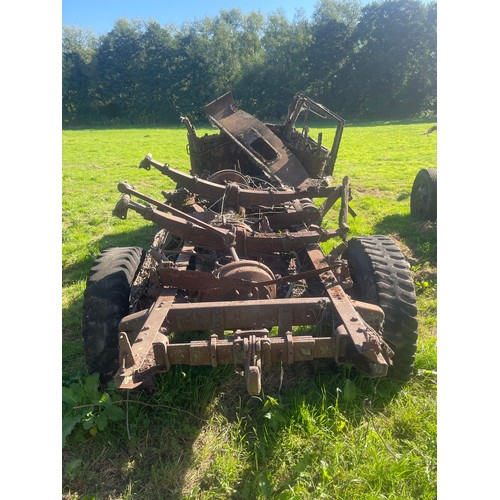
425,226
425,273
405,249
376,193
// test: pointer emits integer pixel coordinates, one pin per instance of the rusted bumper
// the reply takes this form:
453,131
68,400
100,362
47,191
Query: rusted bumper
250,348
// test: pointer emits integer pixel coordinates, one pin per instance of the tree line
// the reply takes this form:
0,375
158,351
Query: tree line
371,62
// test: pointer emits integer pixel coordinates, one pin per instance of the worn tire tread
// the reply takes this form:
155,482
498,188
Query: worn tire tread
382,276
105,303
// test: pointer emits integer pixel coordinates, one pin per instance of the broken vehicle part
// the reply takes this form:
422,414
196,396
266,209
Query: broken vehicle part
239,255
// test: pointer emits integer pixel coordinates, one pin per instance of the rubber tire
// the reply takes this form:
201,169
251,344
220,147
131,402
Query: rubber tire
381,276
105,303
423,200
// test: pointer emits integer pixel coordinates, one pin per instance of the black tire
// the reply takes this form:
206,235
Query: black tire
105,303
423,201
381,276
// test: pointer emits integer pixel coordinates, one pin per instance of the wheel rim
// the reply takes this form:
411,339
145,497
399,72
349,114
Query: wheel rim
421,199
224,176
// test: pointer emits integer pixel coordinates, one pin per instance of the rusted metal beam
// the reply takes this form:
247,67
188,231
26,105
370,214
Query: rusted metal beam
366,340
232,350
303,103
233,193
226,236
247,243
196,281
260,144
233,315
139,353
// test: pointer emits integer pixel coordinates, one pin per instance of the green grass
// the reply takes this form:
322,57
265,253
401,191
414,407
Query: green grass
200,435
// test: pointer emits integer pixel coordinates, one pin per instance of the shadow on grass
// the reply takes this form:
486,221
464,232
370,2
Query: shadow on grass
153,448
141,237
396,121
420,237
128,126
174,436
305,395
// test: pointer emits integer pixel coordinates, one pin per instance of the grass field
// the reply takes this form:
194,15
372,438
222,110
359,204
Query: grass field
323,432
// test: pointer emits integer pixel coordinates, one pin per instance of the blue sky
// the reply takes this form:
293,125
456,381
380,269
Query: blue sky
100,15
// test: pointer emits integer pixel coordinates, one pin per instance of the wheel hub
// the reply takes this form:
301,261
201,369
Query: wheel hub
249,271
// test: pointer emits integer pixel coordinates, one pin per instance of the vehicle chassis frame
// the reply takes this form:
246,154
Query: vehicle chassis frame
355,327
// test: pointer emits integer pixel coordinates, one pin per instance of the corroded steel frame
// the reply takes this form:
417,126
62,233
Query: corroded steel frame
151,353
189,299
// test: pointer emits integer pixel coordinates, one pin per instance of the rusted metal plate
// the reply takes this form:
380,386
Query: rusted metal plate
257,140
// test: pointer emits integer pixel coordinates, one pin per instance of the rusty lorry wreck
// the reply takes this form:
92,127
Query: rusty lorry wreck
238,256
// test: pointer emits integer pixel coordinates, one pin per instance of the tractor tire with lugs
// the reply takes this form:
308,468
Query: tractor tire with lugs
105,303
381,275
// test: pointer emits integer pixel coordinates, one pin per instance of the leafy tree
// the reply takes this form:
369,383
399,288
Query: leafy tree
330,49
188,76
378,62
154,94
327,56
78,50
119,61
285,68
419,90
212,55
383,77
346,12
